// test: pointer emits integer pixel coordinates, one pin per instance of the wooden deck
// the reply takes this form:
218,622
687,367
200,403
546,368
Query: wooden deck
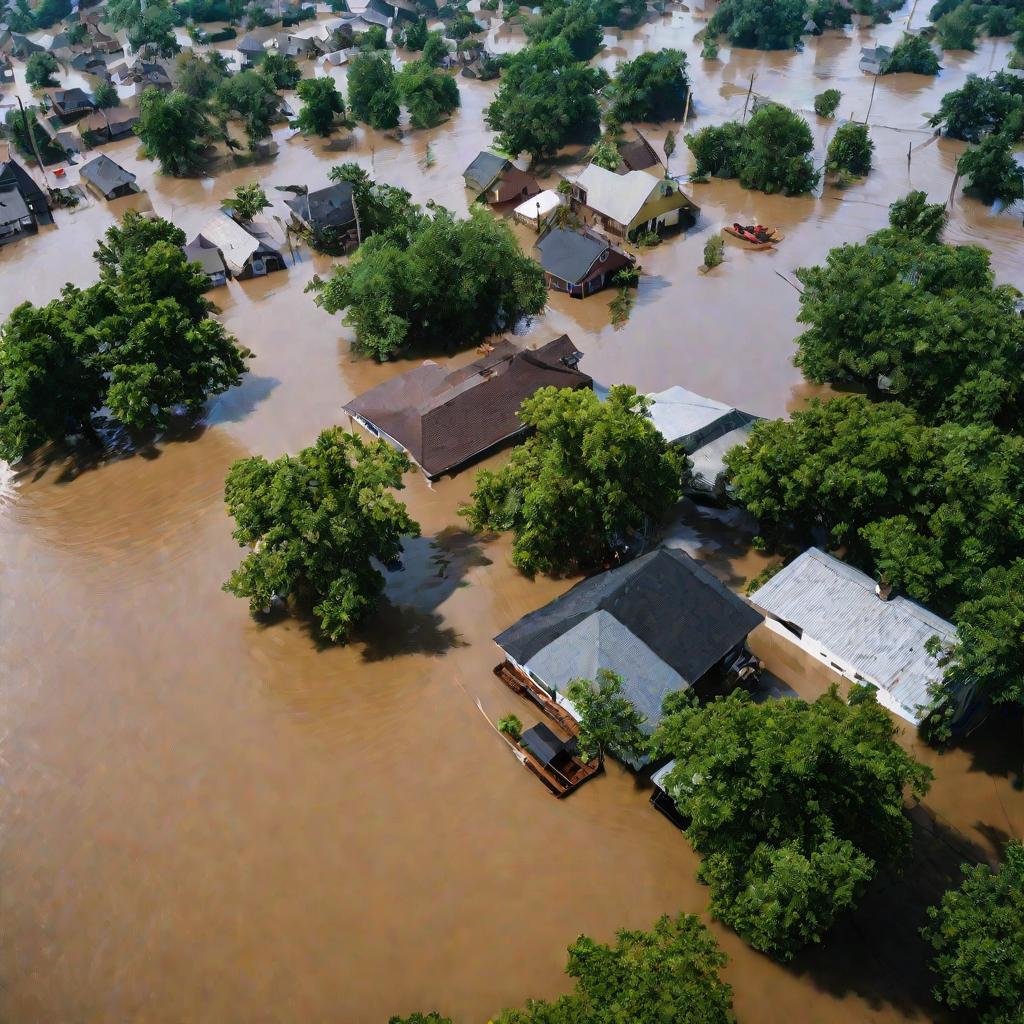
566,773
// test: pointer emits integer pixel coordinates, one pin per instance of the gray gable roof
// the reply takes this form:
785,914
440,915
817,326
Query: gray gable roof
836,605
329,207
106,175
484,170
569,254
667,601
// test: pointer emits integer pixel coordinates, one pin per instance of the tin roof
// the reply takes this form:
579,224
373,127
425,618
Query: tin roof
836,605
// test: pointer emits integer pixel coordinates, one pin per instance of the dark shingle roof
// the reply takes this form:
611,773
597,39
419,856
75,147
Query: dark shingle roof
329,207
664,598
106,175
483,171
445,418
73,99
569,254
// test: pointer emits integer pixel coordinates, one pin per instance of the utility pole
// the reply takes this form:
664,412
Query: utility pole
750,89
872,100
32,140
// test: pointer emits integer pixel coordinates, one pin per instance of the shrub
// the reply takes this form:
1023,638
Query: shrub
826,103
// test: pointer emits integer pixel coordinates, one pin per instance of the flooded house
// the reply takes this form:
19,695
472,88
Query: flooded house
444,419
634,202
244,254
6,70
873,59
662,622
108,125
858,628
705,429
249,48
535,211
498,180
204,252
23,204
107,178
296,47
71,105
329,209
580,261
638,154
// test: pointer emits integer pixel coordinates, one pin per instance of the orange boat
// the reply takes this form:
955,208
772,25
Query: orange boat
772,236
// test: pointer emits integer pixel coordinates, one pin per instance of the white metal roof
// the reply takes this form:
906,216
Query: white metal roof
658,778
548,200
619,196
836,605
235,243
677,412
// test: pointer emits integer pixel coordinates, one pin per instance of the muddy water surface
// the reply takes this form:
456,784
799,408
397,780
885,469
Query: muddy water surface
206,819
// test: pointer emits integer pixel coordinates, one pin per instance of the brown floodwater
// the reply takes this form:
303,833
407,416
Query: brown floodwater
208,819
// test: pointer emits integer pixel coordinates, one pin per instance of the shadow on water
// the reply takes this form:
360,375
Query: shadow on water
995,747
877,953
235,405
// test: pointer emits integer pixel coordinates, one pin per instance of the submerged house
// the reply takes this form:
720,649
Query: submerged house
445,418
636,201
842,618
202,251
580,261
71,105
498,179
243,253
108,179
638,154
704,429
23,204
534,211
662,622
873,59
327,209
109,125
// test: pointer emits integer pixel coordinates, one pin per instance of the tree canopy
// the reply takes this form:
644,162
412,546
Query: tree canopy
915,216
850,149
147,24
982,105
925,316
575,21
322,105
608,721
174,130
199,76
441,282
372,95
139,342
991,171
932,508
248,202
912,53
314,522
429,94
382,207
280,70
668,975
760,24
546,99
652,87
977,932
591,474
770,153
40,69
249,97
794,807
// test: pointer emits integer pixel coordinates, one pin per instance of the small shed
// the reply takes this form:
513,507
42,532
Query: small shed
244,254
108,179
873,59
580,261
485,170
536,210
202,251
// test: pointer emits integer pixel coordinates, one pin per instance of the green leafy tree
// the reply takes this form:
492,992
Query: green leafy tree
980,106
199,76
249,97
315,522
49,12
605,154
322,105
429,94
915,216
382,208
608,721
620,13
760,24
850,149
575,22
446,279
414,36
958,29
140,342
977,932
717,150
652,87
174,130
463,25
40,69
991,171
105,96
435,49
591,473
873,478
927,316
794,807
914,54
775,152
826,103
152,27
668,975
421,1018
669,148
373,40
546,99
372,93
248,202
281,70
999,22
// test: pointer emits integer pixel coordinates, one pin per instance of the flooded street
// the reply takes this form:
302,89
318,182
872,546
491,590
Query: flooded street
204,819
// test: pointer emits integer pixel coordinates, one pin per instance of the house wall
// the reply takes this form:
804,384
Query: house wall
666,210
849,671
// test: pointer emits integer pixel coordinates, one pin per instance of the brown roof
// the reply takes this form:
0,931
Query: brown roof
638,154
445,418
